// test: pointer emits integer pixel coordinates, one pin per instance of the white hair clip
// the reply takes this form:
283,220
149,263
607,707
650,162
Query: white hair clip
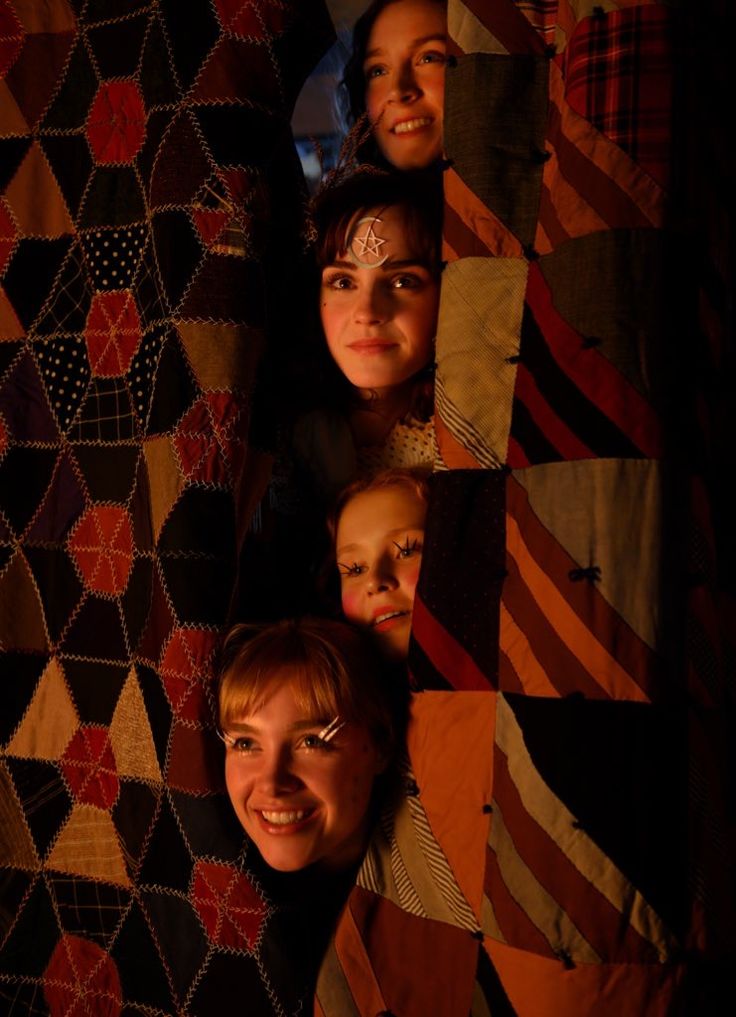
329,732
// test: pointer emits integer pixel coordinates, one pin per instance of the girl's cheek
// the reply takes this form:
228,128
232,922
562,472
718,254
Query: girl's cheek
350,604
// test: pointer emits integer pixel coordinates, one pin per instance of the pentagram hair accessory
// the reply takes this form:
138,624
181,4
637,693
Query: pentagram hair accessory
365,247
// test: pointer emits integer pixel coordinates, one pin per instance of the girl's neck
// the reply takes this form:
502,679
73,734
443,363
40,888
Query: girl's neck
375,411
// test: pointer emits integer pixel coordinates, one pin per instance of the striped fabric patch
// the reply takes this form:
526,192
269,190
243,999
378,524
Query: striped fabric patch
554,891
571,402
558,633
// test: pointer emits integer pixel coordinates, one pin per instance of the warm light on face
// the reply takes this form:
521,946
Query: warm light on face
378,304
404,71
300,788
380,535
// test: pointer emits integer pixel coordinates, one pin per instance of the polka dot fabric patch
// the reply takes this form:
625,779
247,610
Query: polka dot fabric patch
113,255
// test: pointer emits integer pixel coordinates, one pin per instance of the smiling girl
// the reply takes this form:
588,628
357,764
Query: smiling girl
396,74
379,258
309,727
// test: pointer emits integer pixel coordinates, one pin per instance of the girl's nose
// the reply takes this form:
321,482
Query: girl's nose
381,578
371,306
404,86
276,775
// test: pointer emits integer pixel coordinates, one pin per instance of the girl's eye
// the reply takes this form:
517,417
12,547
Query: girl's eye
406,282
432,57
313,741
409,548
337,282
376,71
350,570
242,744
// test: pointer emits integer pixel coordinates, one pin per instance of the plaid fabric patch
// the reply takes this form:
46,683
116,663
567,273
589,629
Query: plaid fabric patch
618,72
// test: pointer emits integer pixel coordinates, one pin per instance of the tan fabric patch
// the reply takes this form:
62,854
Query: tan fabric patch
12,121
165,480
22,624
222,356
130,735
607,512
35,199
469,33
51,720
89,846
16,845
478,330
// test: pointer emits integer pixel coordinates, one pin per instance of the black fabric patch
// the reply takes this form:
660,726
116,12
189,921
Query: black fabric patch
178,251
139,507
45,813
193,30
97,632
181,939
106,10
70,108
136,601
58,585
622,770
8,353
71,162
19,675
202,521
14,886
91,905
133,814
70,301
174,390
114,198
182,165
95,688
155,77
149,295
210,825
492,142
227,287
29,418
30,275
239,136
157,709
28,949
117,47
66,373
463,567
156,125
226,983
139,964
62,506
200,588
497,1002
25,474
424,675
109,473
168,862
12,153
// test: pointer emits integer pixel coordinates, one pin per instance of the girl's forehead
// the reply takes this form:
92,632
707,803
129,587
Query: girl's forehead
377,234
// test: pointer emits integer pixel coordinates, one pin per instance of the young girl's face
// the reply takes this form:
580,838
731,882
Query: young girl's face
404,71
380,534
301,794
378,304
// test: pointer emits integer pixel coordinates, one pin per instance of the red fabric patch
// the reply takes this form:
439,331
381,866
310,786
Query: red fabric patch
185,670
251,19
81,979
101,544
116,125
210,440
210,223
11,38
89,766
8,234
112,333
230,908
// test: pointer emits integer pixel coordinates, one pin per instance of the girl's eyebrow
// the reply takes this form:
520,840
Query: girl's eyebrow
435,37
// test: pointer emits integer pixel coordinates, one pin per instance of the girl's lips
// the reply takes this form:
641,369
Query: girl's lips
411,125
372,346
388,618
284,821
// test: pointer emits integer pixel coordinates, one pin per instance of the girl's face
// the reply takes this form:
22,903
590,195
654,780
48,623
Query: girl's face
301,798
404,71
378,304
380,534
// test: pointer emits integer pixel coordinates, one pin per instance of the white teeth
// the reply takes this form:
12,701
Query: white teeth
283,818
389,614
412,125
